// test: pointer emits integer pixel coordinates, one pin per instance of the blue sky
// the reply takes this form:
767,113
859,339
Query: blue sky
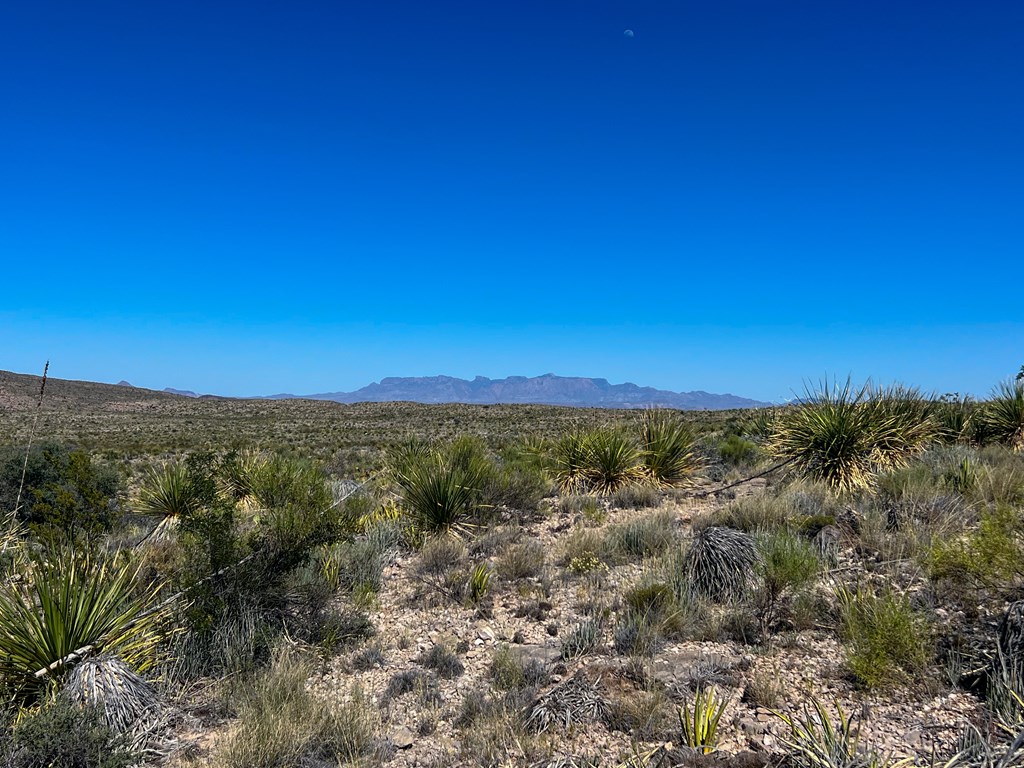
246,198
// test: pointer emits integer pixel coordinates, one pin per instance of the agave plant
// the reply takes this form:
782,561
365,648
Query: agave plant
668,452
700,725
844,437
74,604
1004,414
816,740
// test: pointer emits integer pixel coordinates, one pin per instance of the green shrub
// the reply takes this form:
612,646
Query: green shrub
651,615
992,555
737,451
888,643
786,565
581,640
63,736
752,514
66,493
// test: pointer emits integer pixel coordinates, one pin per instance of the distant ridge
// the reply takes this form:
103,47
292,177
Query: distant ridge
182,392
548,389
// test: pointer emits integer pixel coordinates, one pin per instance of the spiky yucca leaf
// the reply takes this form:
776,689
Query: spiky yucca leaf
844,437
700,726
668,449
1004,414
75,600
817,740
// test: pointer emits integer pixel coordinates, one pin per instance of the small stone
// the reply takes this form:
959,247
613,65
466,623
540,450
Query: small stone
403,738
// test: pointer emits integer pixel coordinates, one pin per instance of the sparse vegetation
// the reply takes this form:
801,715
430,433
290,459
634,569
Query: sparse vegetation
513,623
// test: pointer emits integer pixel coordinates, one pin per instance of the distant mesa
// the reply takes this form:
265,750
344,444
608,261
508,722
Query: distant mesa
548,389
182,392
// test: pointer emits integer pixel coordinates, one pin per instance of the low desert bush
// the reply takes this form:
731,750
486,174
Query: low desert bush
888,642
738,451
786,565
991,555
635,497
62,735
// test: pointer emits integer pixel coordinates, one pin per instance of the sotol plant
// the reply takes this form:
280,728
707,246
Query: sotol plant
1004,414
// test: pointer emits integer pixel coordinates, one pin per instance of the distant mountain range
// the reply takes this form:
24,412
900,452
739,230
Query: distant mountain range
542,390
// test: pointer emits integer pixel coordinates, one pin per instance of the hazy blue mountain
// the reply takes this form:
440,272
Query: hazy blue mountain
547,390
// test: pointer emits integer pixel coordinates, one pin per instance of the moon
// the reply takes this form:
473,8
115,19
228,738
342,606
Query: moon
629,33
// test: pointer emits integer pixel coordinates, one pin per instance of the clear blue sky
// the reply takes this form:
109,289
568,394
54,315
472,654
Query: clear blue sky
256,197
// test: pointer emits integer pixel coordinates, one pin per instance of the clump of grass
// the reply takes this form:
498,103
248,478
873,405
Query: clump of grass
635,497
522,560
888,643
651,615
441,554
843,436
668,449
281,723
442,660
641,537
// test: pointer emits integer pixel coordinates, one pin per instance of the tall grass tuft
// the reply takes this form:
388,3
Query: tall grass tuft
843,436
668,449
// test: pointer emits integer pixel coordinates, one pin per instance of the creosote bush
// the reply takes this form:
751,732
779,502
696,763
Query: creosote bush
888,642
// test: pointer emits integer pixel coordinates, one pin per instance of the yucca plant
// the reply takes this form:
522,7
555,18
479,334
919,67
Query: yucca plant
75,603
719,564
479,582
844,437
1004,415
570,459
613,460
668,449
700,725
168,494
441,496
